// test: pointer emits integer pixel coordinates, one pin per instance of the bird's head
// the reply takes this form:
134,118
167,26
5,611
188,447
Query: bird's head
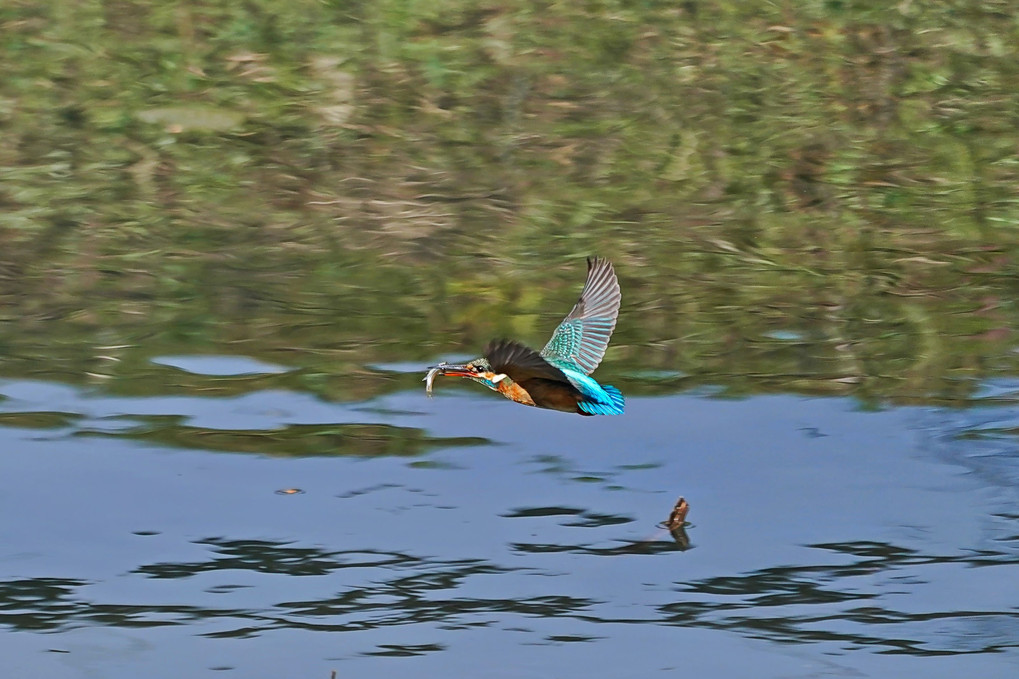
478,370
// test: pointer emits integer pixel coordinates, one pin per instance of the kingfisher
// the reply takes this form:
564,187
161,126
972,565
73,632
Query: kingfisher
557,377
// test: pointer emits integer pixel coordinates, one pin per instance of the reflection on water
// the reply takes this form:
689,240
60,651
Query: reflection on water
849,604
864,539
849,596
295,440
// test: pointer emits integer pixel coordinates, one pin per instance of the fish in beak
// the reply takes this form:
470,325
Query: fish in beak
449,370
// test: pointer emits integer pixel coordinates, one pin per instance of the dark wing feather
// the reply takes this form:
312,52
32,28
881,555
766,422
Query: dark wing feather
520,362
582,337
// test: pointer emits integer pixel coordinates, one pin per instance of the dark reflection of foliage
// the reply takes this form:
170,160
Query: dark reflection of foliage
421,602
624,549
39,603
789,604
265,556
422,590
732,602
293,440
597,520
585,519
532,512
568,470
49,604
404,650
38,420
570,638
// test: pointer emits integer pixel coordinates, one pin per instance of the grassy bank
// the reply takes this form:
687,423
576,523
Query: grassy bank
813,196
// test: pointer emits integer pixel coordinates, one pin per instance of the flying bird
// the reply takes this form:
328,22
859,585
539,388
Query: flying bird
558,377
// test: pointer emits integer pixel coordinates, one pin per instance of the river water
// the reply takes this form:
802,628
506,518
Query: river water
468,536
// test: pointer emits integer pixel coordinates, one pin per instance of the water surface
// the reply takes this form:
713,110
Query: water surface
502,540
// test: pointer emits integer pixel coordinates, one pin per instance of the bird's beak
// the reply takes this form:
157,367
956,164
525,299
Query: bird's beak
454,370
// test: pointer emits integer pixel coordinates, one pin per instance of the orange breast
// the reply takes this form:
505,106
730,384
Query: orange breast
514,392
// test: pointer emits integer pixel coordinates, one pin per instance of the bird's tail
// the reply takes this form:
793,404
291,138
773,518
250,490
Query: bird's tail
613,406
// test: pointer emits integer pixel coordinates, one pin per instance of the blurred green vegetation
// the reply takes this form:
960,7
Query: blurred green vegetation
816,196
362,440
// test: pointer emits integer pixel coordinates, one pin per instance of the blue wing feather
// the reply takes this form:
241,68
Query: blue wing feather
599,399
614,406
583,336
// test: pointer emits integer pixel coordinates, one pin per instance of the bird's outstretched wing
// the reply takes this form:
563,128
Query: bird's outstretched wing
584,334
520,362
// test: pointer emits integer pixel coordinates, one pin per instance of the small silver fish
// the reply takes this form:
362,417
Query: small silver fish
430,377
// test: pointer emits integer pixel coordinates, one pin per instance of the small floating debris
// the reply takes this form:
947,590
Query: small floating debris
678,515
676,523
